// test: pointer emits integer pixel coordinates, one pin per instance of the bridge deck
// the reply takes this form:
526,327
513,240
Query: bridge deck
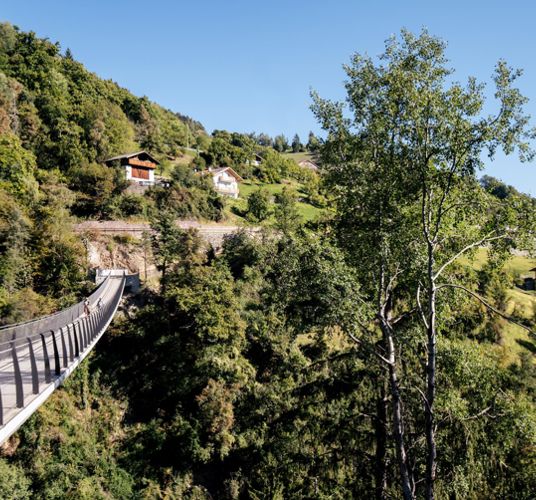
34,361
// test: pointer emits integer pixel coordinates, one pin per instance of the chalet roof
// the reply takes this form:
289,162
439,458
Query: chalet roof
219,170
131,155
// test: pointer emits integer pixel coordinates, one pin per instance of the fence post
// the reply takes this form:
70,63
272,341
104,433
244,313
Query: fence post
85,322
47,360
19,389
80,327
35,374
91,327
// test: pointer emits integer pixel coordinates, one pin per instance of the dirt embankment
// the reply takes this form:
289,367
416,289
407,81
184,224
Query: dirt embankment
109,251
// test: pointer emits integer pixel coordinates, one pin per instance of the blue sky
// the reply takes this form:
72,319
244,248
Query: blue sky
248,65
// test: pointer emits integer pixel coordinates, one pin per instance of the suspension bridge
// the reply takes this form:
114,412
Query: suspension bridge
37,356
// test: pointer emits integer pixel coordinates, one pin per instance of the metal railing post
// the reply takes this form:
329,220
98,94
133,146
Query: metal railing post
63,347
83,339
75,335
33,364
70,339
48,377
19,389
94,320
85,322
80,328
57,369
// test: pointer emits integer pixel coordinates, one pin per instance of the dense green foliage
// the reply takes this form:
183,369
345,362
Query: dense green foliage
239,380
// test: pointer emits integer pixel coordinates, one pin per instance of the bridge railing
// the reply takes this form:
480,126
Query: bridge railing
52,321
36,353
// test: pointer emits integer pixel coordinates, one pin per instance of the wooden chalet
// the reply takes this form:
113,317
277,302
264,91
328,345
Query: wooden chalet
139,167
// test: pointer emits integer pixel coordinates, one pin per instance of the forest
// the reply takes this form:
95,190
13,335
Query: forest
382,349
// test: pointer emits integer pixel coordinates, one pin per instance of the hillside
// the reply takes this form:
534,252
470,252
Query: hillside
66,115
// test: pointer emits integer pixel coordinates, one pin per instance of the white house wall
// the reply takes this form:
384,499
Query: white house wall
226,184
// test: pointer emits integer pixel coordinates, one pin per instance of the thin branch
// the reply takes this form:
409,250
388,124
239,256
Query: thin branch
486,239
487,304
479,414
425,400
376,353
402,316
444,195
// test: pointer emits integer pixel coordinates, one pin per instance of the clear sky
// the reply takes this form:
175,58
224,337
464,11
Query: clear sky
248,65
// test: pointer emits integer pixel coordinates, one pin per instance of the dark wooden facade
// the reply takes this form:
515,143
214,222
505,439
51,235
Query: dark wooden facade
139,166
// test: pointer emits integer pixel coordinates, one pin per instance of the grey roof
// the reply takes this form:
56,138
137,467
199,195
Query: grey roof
223,169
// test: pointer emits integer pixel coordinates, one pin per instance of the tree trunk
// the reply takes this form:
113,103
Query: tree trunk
398,426
381,443
430,380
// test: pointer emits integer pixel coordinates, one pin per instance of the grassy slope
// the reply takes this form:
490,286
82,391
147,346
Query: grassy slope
515,339
306,211
297,157
165,169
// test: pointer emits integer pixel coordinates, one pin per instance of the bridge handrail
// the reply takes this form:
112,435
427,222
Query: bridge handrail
24,329
38,363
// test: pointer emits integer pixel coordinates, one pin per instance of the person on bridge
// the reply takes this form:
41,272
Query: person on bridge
99,303
87,311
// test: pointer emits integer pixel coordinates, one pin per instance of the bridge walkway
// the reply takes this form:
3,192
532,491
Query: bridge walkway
37,356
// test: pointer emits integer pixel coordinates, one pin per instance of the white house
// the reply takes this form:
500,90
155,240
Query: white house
225,181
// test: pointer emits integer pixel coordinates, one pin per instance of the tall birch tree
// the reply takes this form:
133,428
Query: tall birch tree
402,156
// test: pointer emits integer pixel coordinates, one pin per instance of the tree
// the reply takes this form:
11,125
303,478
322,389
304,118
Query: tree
264,140
170,244
296,144
258,206
275,166
313,143
285,211
415,142
280,143
17,168
95,184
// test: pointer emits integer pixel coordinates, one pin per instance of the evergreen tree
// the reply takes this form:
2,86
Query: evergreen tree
296,144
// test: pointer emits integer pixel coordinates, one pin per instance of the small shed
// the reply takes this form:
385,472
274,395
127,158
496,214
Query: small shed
139,166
